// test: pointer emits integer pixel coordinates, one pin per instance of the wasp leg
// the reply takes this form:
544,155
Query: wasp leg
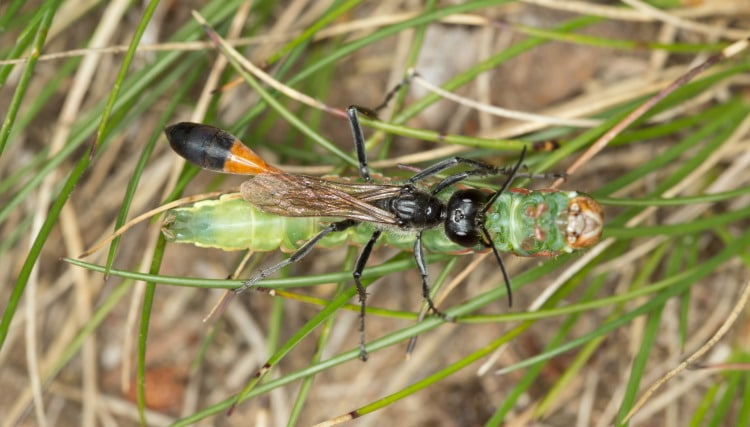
500,262
359,139
513,174
478,167
299,254
391,93
359,266
419,258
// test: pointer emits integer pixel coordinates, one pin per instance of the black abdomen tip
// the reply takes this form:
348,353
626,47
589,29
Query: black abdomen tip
202,145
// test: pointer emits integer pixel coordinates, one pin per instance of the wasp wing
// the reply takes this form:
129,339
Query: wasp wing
306,196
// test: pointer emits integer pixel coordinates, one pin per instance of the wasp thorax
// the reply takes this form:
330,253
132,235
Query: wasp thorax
417,209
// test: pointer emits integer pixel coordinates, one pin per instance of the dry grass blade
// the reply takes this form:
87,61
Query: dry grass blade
734,314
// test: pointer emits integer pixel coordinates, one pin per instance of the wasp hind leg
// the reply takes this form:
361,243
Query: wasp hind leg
419,258
359,267
298,255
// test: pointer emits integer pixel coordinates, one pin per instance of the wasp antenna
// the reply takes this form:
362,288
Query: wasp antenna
501,264
507,182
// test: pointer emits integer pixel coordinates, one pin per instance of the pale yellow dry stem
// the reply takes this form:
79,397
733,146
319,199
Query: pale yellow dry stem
731,318
265,77
588,397
498,111
684,24
645,15
153,212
